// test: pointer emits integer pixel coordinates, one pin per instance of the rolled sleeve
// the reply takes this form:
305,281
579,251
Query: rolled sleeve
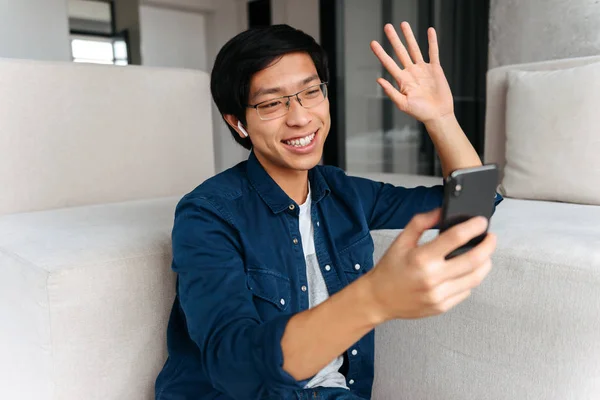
241,354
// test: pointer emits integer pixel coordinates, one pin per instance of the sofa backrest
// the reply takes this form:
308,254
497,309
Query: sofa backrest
73,134
497,85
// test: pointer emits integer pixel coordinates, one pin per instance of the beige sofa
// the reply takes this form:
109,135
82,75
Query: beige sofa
92,162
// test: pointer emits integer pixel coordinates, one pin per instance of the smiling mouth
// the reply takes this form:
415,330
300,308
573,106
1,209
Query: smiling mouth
301,142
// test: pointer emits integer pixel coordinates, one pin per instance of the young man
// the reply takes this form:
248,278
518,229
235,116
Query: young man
277,296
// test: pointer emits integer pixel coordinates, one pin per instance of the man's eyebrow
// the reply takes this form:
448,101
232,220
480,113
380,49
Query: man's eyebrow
277,90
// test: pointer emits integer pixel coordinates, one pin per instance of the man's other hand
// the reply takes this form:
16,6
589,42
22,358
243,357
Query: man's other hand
412,281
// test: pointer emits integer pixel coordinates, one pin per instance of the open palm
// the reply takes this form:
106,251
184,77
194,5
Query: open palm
423,91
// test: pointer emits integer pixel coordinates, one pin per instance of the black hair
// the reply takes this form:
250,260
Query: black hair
250,52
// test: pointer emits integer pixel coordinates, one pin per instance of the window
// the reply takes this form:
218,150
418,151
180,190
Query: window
98,50
93,35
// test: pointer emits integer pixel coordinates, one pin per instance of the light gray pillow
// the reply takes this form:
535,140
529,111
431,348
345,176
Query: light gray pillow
553,135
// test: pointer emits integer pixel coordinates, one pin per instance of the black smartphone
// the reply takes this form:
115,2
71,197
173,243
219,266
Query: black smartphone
469,193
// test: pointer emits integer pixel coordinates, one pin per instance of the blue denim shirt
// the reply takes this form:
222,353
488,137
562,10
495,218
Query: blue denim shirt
238,255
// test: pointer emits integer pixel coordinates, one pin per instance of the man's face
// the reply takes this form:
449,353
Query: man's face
271,138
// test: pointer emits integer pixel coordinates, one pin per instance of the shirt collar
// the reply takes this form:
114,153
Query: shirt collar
273,195
319,186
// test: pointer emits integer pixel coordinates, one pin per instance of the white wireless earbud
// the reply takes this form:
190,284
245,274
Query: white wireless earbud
242,129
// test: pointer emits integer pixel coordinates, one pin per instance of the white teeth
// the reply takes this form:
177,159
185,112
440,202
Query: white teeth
305,141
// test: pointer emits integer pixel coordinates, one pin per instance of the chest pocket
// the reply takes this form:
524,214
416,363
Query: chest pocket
357,259
271,292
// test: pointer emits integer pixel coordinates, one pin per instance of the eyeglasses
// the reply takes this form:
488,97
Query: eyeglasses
278,107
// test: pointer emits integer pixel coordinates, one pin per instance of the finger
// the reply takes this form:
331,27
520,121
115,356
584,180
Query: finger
413,231
476,256
453,301
411,42
444,271
434,50
398,98
469,261
387,61
457,236
397,44
451,288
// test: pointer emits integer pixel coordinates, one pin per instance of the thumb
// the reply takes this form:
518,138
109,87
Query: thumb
409,238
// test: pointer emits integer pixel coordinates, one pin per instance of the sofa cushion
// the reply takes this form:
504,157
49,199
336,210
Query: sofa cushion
552,126
85,295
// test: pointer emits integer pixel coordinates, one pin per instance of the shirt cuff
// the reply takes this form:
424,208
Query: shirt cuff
498,199
270,354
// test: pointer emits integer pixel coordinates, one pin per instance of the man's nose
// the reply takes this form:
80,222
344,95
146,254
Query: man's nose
297,115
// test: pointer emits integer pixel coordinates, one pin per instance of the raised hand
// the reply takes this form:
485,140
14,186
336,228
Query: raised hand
422,88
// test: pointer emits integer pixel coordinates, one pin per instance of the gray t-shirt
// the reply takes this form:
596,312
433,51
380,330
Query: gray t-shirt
317,293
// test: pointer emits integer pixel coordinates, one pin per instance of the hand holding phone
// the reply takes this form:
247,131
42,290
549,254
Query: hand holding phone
468,193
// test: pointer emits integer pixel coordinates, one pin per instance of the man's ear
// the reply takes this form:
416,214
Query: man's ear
236,124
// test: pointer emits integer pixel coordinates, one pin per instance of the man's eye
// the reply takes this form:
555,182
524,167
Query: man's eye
271,104
311,94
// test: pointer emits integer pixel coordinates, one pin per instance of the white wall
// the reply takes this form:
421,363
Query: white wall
538,30
34,29
171,38
89,10
300,14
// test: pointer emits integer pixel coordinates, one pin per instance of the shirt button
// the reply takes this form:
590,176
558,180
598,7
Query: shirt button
327,268
357,267
282,301
295,241
304,288
351,381
354,352
317,223
291,207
